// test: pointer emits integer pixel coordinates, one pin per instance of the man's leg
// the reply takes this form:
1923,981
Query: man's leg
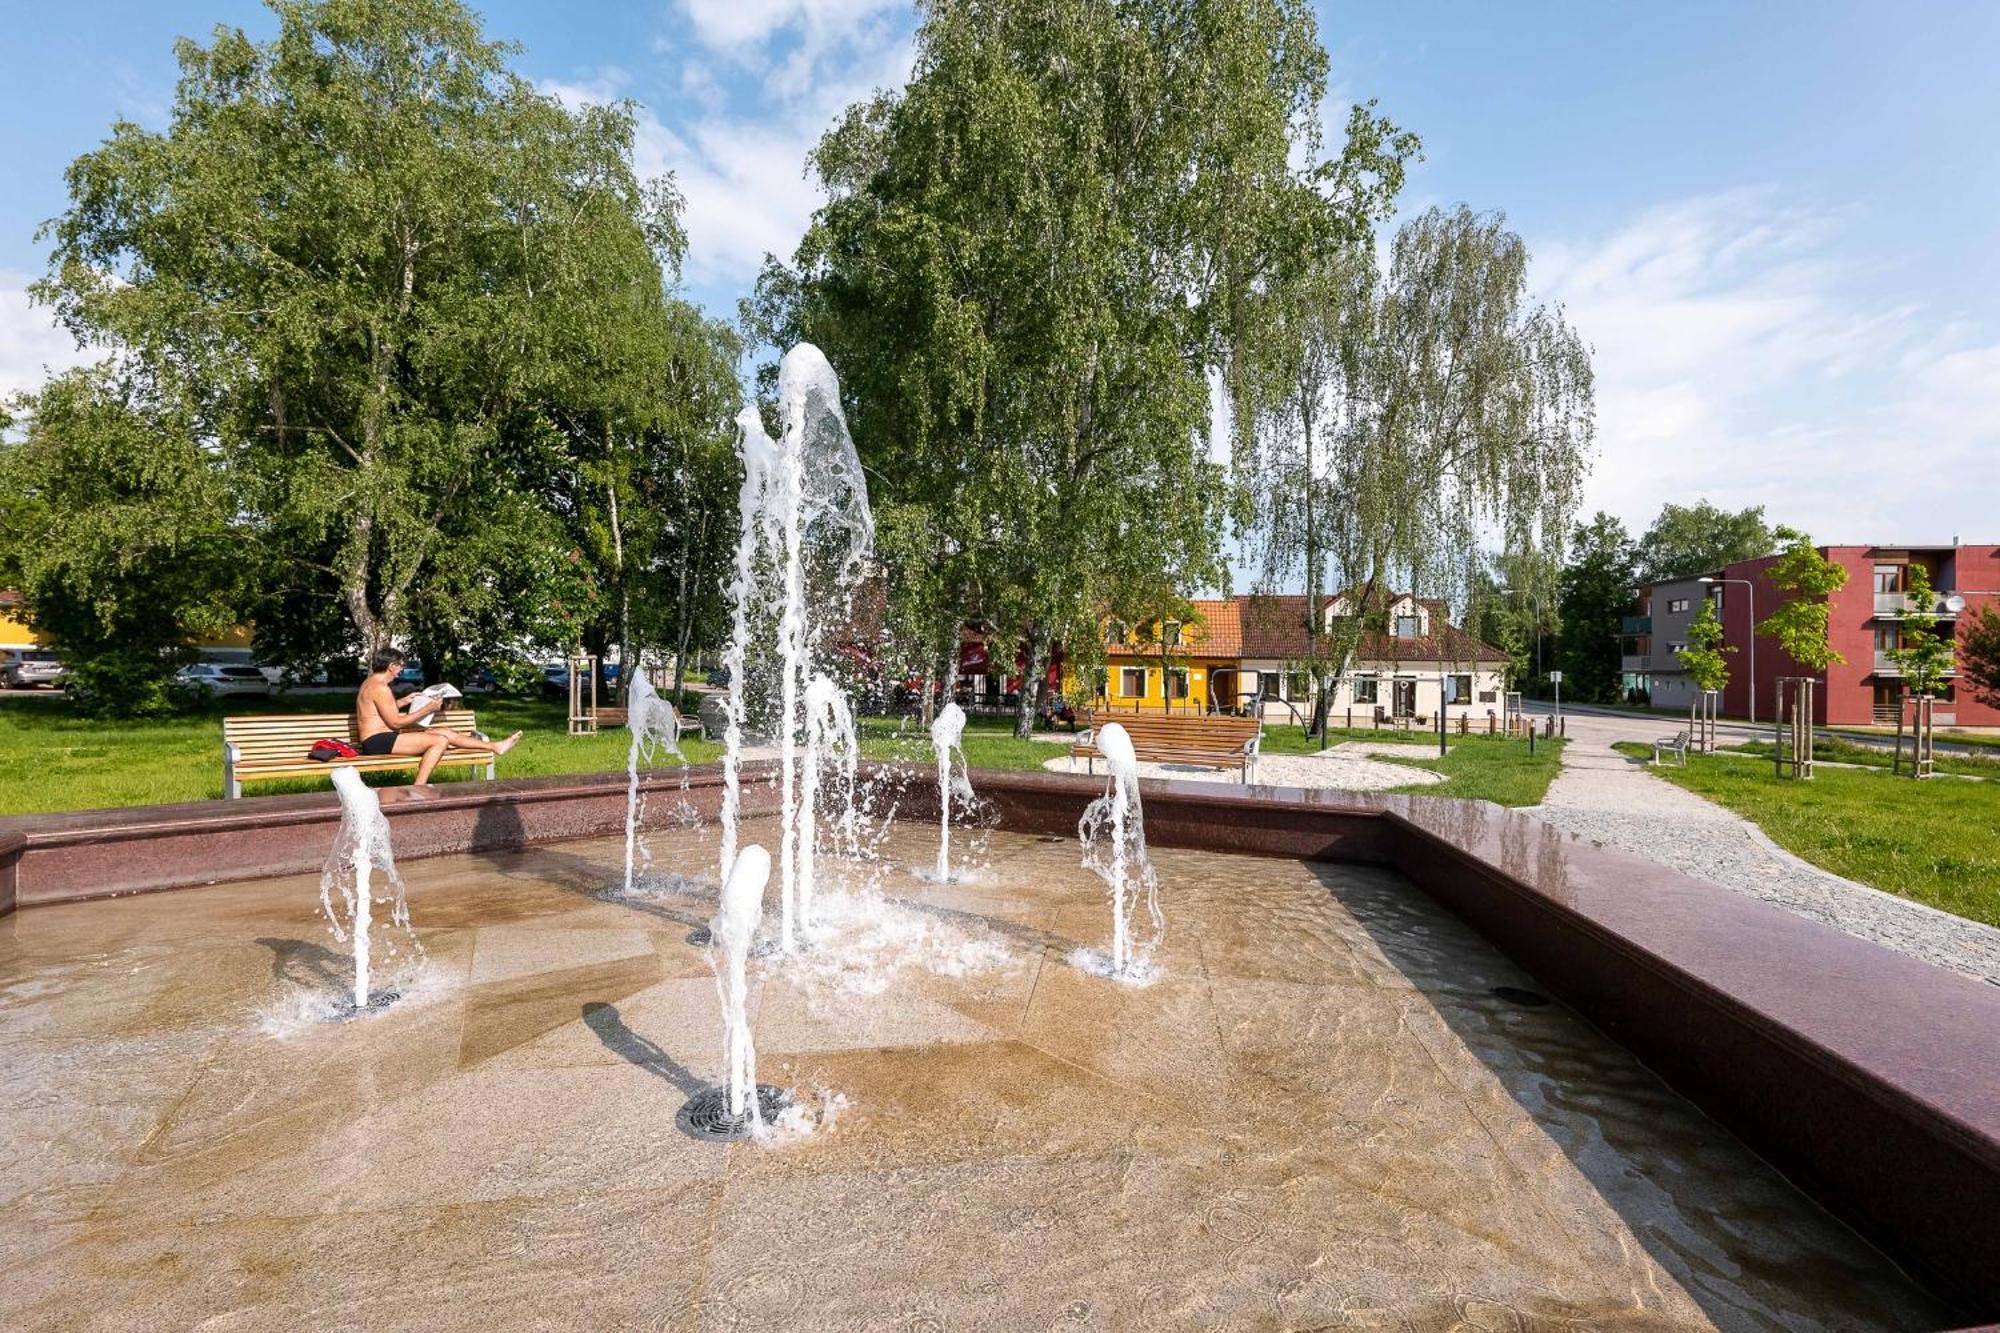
455,740
429,745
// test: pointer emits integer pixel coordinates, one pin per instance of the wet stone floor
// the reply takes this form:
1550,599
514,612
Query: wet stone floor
1319,1116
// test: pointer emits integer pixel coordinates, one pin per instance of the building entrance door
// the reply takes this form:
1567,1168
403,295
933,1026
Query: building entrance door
1406,698
1888,699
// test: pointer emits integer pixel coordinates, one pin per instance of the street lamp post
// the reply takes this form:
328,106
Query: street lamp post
1750,605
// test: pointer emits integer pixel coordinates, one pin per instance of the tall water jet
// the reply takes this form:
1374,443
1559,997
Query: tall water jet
739,1108
1113,834
830,745
804,534
946,730
655,734
362,868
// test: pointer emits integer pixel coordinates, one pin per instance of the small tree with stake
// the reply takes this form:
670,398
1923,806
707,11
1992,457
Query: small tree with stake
1706,661
1923,657
1800,627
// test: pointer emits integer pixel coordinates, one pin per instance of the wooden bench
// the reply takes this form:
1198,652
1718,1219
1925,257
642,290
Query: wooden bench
272,745
1676,745
1204,741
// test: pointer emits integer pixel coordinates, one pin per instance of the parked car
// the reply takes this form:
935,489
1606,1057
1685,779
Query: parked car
215,679
411,676
555,679
26,668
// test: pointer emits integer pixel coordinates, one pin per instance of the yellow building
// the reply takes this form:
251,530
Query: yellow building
1198,662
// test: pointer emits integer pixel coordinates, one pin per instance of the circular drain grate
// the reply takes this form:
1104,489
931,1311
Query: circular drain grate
706,1114
377,1002
699,937
1522,996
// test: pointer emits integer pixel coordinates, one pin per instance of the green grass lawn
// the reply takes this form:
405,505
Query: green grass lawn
1477,768
1936,842
52,760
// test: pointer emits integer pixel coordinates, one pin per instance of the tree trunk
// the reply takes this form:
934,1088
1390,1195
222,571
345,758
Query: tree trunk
1027,705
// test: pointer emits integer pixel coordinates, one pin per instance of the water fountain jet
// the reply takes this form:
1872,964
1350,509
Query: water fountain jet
360,853
946,730
655,733
741,1107
1113,834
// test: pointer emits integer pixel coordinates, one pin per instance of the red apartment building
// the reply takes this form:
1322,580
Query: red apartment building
1865,621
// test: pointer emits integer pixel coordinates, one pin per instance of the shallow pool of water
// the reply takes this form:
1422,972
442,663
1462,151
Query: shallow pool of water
1319,1115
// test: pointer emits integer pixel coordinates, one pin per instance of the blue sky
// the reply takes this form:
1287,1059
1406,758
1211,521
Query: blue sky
1772,221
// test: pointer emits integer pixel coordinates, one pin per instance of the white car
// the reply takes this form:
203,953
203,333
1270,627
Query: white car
25,670
217,679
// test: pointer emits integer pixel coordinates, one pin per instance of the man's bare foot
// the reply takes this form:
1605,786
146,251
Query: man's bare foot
507,744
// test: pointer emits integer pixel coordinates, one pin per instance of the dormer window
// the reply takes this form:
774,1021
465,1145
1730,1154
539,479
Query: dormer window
1170,634
1407,627
1114,632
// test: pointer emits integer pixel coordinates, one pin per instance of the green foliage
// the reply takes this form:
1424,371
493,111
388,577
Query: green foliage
1925,654
1706,659
1596,591
1389,424
414,311
1979,655
1686,540
1029,258
1800,625
120,531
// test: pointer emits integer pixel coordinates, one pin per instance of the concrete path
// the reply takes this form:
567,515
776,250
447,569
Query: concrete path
1607,798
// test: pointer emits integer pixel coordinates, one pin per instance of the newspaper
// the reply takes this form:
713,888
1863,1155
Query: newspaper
442,692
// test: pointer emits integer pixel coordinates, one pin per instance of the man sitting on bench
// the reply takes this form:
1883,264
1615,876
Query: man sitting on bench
384,728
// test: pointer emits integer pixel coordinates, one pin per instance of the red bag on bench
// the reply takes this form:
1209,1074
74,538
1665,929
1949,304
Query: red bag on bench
324,751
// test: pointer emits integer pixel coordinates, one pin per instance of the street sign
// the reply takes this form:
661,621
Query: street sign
1555,677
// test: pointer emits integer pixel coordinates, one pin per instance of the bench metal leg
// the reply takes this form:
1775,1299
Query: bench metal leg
231,788
491,771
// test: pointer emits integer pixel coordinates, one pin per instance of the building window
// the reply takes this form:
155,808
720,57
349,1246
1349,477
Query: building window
1888,579
1458,689
1177,683
1302,685
1114,632
1270,685
1366,690
1675,604
1406,627
1677,648
1888,638
1170,634
1132,682
1489,696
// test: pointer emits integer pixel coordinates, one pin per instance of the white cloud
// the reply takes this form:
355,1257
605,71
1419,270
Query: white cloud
1740,359
31,344
767,79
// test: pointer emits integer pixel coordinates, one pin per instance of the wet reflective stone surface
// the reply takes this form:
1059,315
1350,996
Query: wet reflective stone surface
1320,1115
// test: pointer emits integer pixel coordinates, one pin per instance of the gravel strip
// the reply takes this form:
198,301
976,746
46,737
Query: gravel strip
1345,767
1609,799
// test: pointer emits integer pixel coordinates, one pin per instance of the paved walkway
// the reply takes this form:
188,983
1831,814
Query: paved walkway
1605,797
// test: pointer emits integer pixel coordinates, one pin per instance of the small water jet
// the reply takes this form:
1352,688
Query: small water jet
655,733
741,1107
360,854
1113,834
804,533
946,730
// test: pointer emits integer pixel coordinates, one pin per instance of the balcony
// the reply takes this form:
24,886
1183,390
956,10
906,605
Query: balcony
1896,605
1637,625
1635,664
1886,666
